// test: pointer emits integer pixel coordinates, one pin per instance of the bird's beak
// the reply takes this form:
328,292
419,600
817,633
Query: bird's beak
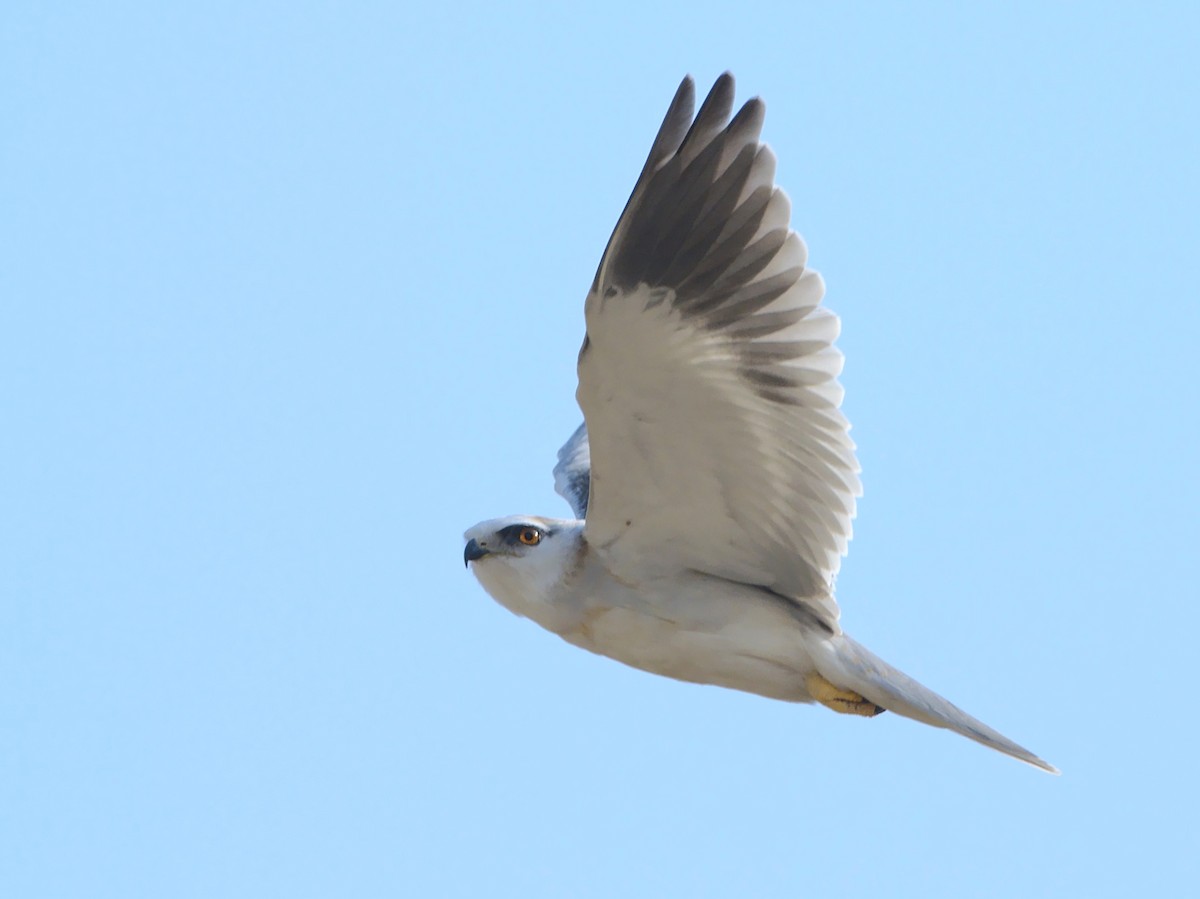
473,553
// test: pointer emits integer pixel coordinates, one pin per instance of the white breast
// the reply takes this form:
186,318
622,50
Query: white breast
680,625
697,630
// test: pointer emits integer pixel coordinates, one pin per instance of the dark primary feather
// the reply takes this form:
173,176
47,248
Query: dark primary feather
688,228
573,473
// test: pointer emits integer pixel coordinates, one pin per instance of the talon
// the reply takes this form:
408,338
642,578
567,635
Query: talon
846,702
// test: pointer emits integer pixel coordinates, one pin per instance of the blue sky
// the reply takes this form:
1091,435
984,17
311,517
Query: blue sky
290,296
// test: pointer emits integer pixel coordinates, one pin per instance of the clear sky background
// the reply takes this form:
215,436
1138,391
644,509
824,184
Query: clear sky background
290,296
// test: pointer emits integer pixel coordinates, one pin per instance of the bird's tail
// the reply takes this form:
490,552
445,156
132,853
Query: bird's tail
851,666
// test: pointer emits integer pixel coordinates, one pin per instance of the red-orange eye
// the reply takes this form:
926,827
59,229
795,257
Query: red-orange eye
530,536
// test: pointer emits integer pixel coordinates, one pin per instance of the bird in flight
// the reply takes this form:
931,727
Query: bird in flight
714,479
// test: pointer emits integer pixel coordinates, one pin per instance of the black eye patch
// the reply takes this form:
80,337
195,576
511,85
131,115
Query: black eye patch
512,533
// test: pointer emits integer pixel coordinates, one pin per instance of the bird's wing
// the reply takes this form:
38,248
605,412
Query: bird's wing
708,373
572,474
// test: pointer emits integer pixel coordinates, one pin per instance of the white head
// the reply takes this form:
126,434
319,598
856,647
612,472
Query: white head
523,560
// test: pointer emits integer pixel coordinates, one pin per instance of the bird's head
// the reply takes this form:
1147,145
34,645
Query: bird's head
522,559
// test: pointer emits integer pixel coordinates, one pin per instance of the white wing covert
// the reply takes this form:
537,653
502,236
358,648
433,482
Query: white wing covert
707,376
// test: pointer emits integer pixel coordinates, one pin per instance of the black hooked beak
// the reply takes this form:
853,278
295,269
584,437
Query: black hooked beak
473,552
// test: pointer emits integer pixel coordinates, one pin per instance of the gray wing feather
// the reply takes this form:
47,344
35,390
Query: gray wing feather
693,228
708,374
573,473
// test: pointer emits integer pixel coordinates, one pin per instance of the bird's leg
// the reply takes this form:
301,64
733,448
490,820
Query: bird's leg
844,701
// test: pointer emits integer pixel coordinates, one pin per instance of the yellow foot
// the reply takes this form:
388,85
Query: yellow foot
844,701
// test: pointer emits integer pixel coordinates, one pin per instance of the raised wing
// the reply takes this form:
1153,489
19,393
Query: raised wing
708,373
572,474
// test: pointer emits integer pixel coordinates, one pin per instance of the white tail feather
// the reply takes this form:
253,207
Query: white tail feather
851,666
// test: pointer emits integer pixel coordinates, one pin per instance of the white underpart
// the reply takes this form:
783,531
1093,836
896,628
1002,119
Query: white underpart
688,627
